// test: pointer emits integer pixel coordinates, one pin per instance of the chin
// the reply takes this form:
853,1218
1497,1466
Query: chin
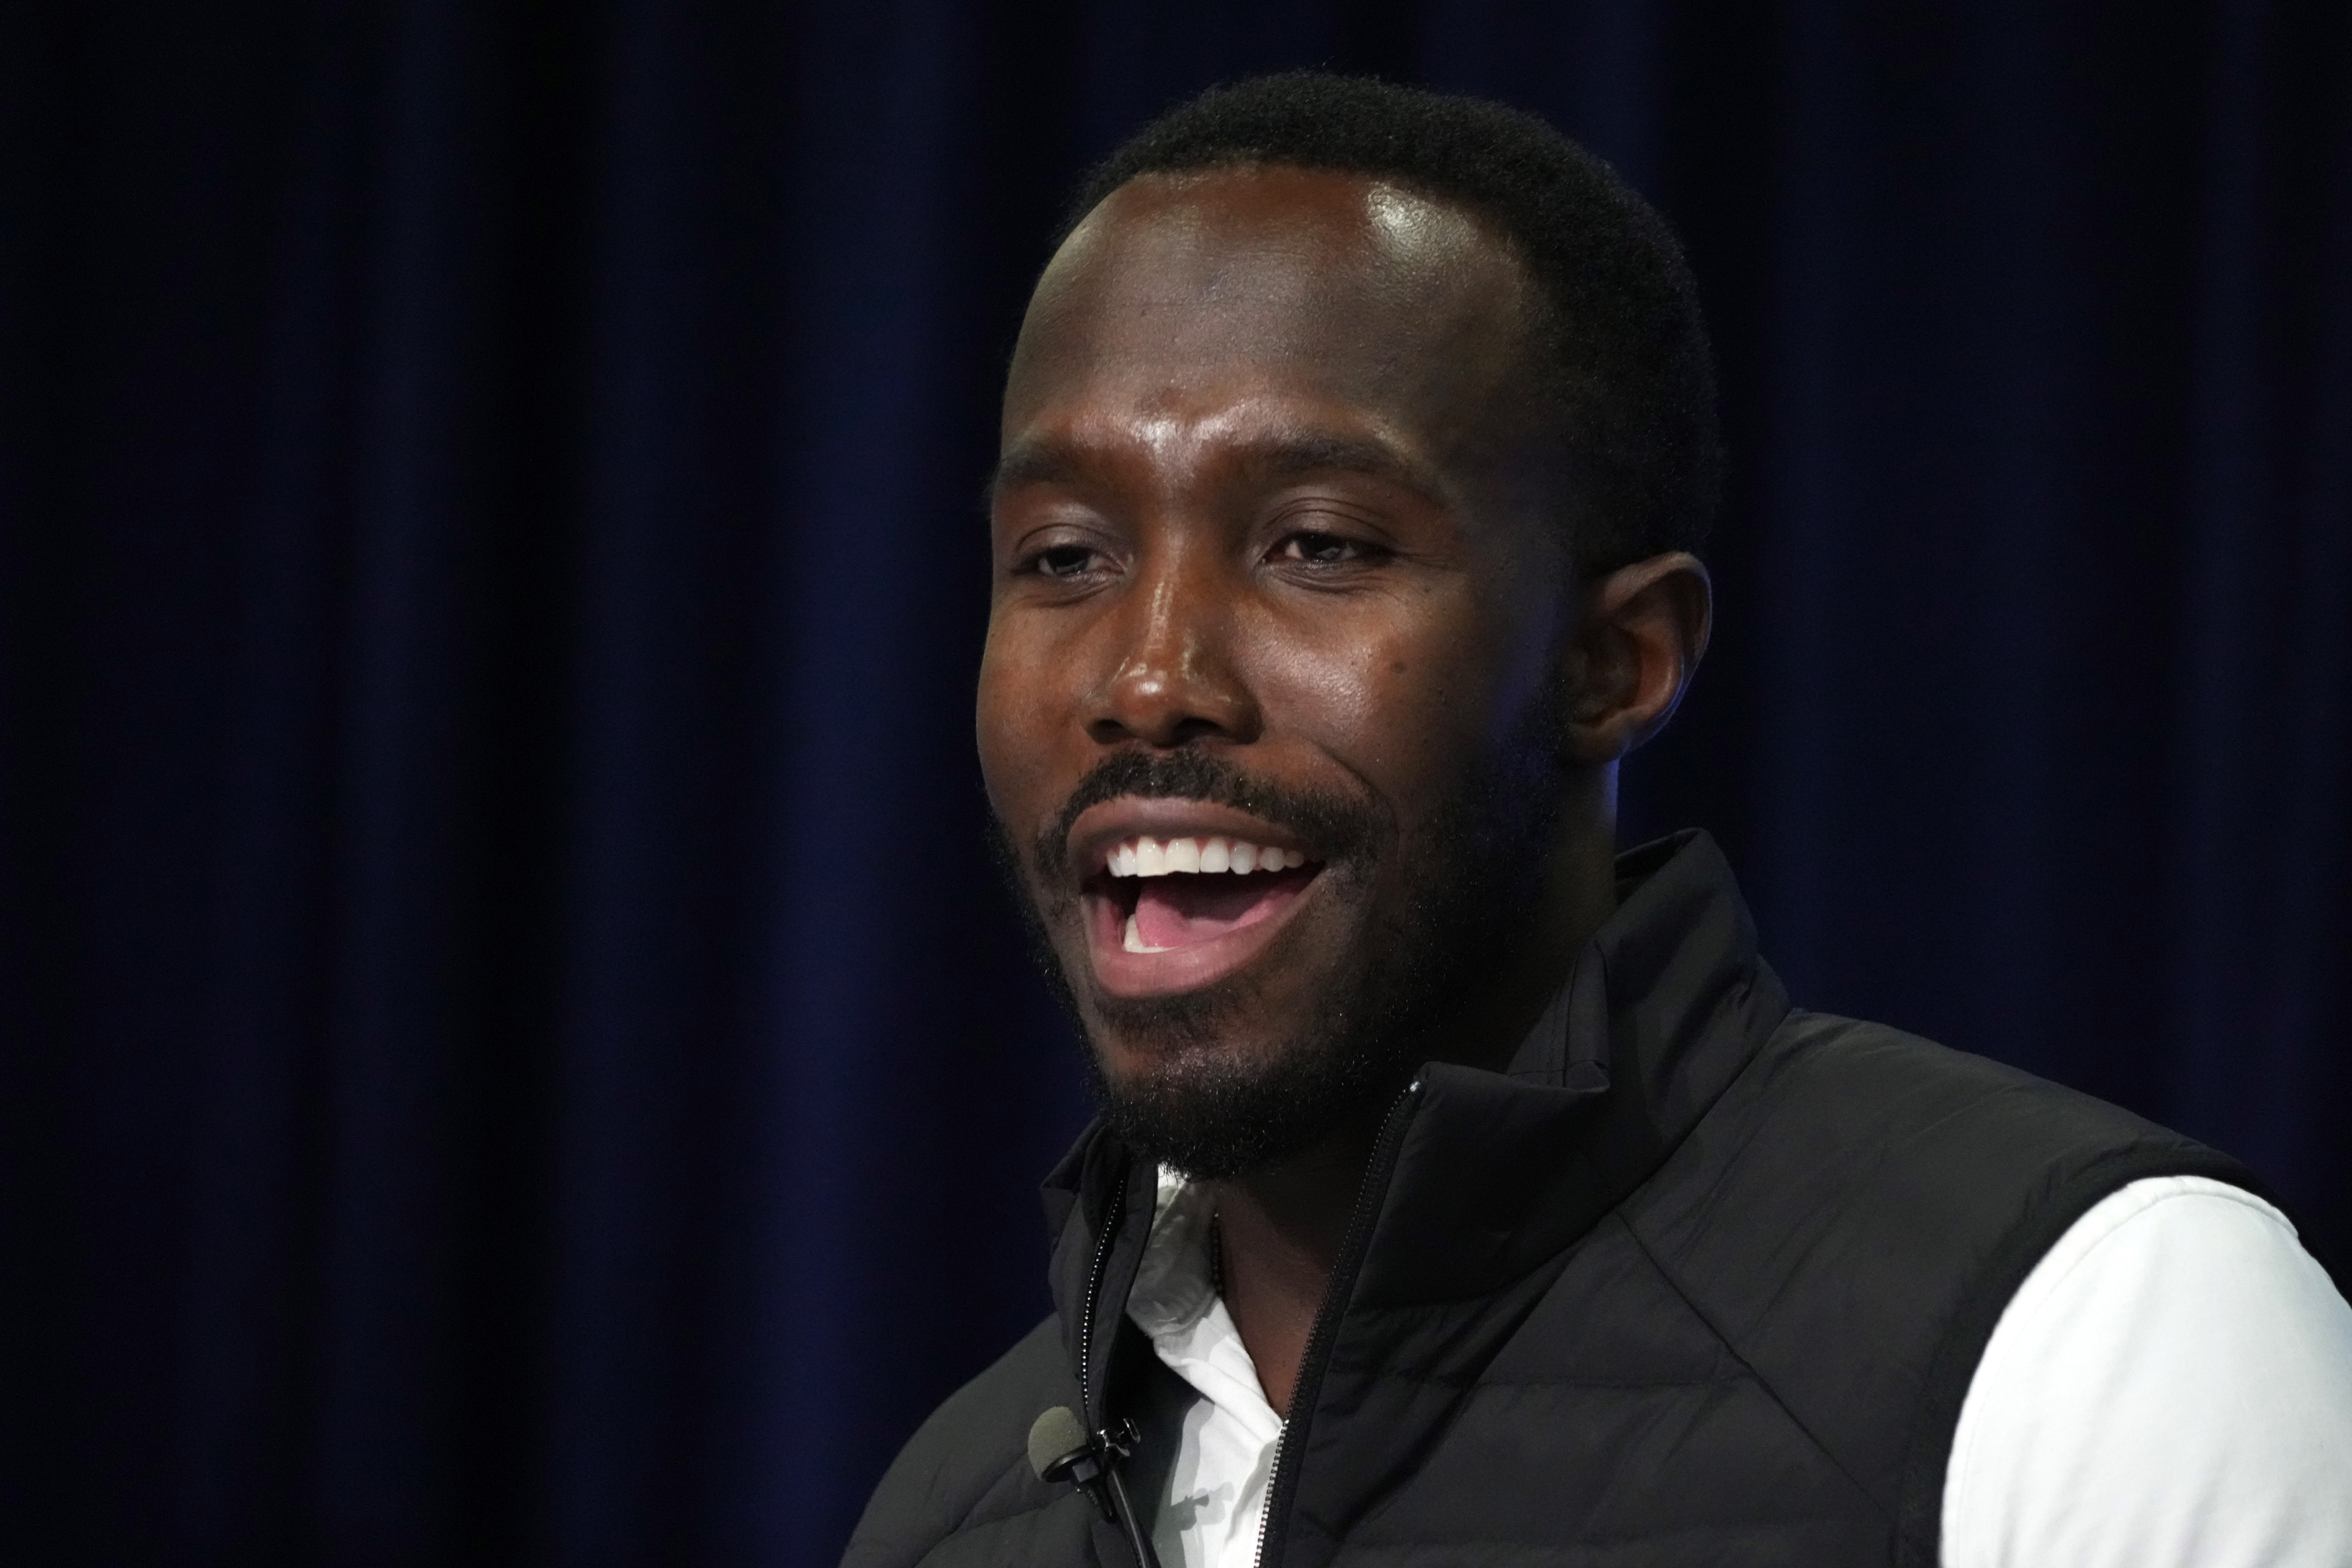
1225,1111
1221,1082
1220,1030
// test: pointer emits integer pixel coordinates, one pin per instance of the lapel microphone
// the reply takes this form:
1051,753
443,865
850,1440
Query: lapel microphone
1060,1450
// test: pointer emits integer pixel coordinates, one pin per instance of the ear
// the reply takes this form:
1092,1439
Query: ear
1641,632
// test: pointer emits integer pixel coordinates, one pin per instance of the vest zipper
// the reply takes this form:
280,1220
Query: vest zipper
1111,1217
1283,1481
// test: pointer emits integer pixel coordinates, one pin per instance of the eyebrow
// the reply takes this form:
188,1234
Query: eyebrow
1033,463
1320,452
1275,457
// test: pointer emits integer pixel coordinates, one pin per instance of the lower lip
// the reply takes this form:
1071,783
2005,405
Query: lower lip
1180,969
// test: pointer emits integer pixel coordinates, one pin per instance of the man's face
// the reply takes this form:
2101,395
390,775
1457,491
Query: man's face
1267,713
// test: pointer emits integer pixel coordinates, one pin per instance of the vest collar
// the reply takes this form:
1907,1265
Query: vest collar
1499,1172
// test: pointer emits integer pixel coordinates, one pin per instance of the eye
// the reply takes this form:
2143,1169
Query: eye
1311,548
1061,561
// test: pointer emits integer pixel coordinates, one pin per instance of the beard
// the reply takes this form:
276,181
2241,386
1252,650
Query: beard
1472,875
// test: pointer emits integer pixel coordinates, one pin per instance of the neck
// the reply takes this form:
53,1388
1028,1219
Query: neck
1281,1229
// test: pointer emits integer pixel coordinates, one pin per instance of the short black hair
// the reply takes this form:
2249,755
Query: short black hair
1626,363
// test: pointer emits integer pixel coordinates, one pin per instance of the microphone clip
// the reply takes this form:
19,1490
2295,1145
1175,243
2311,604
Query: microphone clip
1091,1465
1060,1450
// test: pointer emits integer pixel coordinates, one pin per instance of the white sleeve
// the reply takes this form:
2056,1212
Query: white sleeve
2171,1387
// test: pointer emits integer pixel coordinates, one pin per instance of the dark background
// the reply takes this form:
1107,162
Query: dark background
509,1047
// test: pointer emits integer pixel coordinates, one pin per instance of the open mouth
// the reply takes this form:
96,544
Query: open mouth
1173,912
1186,891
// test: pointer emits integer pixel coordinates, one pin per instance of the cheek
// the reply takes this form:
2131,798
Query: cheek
1402,698
1006,724
1028,719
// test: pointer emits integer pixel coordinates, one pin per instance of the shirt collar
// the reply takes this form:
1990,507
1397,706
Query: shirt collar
1175,1284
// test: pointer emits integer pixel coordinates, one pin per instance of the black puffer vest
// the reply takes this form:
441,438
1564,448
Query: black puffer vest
1699,1280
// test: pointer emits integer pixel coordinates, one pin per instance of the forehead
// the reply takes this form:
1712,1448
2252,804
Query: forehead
1188,292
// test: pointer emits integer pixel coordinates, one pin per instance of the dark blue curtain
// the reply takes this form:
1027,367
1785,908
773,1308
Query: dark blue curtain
511,1049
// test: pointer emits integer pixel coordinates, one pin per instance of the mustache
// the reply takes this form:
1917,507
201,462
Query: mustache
1337,826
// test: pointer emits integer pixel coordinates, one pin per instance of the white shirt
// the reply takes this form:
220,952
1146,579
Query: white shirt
1209,1515
2171,1387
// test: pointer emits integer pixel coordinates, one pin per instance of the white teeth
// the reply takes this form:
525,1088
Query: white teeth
1149,858
1132,940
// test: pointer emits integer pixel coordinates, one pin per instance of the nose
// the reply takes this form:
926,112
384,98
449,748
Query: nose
1173,678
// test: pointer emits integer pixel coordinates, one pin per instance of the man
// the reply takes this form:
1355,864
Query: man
1465,1192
